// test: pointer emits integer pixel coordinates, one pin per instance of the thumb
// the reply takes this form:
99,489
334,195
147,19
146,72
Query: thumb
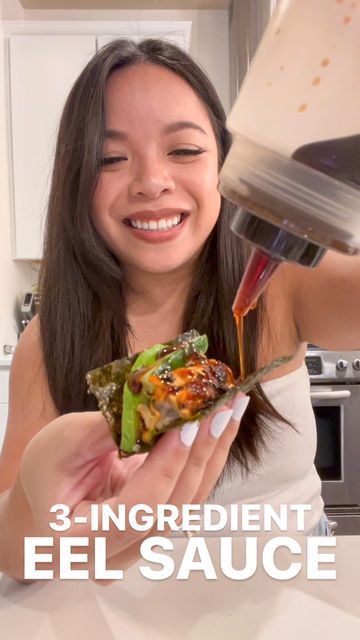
71,440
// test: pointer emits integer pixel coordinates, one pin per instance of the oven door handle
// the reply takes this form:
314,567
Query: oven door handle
330,395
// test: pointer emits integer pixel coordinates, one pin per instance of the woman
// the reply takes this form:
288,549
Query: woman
138,248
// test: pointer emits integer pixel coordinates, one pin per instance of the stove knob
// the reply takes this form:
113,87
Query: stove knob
356,364
341,365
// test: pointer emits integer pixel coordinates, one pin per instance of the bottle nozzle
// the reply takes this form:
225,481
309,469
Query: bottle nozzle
258,272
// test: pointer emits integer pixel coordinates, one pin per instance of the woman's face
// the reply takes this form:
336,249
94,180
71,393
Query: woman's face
156,200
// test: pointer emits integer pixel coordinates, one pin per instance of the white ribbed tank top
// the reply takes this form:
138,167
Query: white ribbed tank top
286,473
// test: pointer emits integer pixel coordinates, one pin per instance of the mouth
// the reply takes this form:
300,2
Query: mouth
156,225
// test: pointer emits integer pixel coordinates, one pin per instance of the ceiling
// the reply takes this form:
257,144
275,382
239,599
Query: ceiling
125,4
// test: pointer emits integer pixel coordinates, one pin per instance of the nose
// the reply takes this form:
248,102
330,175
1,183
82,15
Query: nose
151,178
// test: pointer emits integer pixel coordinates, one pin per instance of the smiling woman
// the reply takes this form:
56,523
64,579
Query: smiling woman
140,141
145,233
137,207
158,183
139,249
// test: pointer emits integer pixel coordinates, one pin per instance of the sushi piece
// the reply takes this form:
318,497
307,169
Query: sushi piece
161,388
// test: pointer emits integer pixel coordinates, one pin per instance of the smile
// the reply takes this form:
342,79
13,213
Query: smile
164,224
157,226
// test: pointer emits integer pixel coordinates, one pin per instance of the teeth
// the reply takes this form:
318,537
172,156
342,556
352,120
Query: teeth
157,225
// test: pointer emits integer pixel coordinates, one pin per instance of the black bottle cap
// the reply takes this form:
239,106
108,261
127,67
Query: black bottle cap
275,241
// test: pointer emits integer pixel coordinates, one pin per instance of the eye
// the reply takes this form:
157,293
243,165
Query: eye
186,152
112,160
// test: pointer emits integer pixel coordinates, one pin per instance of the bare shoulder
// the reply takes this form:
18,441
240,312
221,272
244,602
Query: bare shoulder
30,404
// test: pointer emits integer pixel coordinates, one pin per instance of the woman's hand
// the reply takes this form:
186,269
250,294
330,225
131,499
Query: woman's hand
73,461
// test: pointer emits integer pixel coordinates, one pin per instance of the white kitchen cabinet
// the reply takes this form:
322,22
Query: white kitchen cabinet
42,71
175,32
4,395
3,421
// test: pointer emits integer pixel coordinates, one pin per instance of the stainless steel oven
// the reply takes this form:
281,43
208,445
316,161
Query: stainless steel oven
335,394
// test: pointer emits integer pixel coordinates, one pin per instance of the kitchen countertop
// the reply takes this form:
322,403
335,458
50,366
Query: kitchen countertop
259,608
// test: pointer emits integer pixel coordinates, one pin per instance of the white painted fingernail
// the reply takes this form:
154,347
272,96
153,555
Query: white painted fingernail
239,406
188,432
220,422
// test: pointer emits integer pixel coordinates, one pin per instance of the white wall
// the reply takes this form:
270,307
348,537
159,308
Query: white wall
210,48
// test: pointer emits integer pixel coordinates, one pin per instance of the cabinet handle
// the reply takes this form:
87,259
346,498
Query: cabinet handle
8,349
330,395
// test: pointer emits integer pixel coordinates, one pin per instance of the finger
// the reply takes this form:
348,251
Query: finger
84,436
150,484
126,558
123,469
204,466
98,488
215,449
202,450
71,440
66,455
209,454
218,460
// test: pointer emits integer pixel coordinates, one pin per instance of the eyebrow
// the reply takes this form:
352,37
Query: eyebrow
173,127
113,134
179,125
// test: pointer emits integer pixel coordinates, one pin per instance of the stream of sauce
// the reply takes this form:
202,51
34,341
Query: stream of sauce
239,315
258,272
239,319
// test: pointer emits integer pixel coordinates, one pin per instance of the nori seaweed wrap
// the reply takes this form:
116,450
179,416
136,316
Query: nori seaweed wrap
161,388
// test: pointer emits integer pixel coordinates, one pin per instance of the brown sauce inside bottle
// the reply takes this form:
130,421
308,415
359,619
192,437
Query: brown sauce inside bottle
338,158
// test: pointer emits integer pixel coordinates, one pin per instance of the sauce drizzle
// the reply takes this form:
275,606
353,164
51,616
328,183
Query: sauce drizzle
259,270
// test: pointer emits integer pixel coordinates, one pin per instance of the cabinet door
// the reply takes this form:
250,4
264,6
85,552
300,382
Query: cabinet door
3,420
176,32
4,385
42,71
4,396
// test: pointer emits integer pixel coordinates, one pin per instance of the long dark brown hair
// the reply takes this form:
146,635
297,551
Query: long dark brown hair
83,319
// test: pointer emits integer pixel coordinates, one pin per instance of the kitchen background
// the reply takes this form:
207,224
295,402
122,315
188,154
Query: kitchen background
43,46
217,27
